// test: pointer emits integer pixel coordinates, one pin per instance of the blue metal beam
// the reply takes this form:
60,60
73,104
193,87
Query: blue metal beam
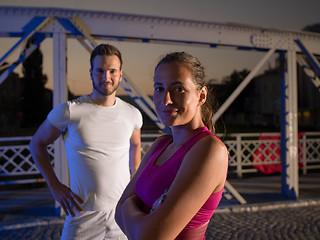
28,30
122,27
309,72
310,58
40,37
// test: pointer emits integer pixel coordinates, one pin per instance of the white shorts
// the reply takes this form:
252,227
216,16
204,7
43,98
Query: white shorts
92,225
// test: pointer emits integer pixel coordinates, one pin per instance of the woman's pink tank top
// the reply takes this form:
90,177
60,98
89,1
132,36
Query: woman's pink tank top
154,180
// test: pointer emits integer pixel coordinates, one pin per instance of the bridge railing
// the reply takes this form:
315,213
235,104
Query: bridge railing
248,153
252,152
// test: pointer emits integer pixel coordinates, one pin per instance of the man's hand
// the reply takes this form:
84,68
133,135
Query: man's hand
66,198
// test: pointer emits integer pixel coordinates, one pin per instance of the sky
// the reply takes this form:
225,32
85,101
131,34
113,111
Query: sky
141,58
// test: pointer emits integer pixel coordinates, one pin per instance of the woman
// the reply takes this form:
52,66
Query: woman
181,178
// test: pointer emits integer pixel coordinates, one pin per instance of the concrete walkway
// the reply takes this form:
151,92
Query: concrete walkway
30,213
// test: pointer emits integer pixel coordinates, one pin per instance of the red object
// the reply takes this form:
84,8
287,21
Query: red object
269,153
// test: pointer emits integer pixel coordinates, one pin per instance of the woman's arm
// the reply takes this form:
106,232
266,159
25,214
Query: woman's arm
130,189
202,172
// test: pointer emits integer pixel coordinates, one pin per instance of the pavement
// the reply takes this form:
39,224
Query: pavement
29,213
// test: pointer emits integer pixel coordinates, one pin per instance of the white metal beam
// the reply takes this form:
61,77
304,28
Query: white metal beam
308,71
143,101
87,41
235,193
310,57
159,29
102,25
289,139
23,56
60,96
242,85
39,24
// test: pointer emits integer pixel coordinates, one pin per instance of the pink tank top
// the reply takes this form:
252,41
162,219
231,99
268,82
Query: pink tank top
154,180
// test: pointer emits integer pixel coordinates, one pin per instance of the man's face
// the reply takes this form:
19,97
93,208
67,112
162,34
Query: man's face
105,74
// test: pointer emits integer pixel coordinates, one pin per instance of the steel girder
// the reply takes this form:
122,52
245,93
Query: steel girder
89,25
119,26
143,101
289,126
308,71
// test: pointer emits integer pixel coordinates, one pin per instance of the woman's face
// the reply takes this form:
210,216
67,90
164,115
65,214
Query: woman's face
176,98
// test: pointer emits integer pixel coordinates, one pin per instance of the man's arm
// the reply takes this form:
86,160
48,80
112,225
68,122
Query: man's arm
135,151
45,135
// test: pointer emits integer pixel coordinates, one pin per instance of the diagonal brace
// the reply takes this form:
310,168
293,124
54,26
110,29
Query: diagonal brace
242,85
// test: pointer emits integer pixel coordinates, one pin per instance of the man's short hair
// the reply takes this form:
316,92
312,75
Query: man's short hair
105,50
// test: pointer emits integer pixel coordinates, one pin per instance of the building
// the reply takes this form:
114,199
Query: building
258,106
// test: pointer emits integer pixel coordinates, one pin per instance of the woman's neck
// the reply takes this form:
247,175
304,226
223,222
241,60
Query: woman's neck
181,134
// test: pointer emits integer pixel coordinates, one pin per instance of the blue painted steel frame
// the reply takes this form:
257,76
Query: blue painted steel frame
285,177
39,38
75,32
29,28
311,59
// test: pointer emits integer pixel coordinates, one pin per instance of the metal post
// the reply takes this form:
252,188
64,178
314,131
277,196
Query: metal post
59,96
304,153
239,158
289,128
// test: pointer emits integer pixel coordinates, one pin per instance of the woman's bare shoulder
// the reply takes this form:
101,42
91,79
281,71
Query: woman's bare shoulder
210,149
211,142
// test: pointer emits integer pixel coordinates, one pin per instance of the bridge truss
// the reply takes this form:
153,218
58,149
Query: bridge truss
89,26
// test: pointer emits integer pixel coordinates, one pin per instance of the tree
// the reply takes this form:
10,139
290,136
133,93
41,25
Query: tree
231,83
34,104
312,28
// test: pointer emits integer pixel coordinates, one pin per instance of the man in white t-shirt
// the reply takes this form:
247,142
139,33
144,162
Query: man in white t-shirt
102,138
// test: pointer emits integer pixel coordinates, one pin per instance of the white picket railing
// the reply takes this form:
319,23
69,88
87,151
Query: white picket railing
247,152
250,151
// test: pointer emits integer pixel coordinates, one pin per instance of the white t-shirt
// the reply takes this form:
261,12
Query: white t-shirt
97,141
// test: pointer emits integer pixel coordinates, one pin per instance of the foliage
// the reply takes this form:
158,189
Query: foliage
312,28
231,83
34,102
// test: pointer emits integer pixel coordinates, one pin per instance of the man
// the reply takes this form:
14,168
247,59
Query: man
101,133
